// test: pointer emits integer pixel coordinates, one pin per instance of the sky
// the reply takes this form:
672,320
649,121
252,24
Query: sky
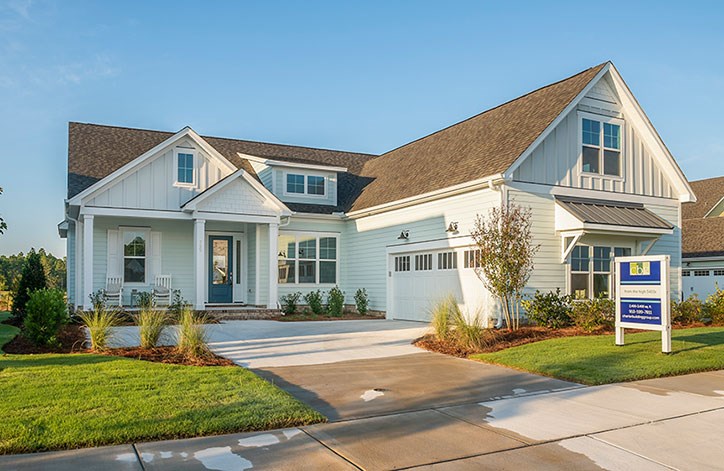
360,76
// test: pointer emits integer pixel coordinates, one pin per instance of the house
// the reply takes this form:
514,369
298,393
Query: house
703,239
243,223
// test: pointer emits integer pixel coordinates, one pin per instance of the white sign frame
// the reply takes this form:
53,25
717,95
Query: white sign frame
662,292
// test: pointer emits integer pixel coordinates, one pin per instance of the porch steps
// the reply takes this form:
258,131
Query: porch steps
240,312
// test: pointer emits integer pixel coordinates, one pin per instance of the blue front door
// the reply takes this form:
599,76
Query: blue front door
220,275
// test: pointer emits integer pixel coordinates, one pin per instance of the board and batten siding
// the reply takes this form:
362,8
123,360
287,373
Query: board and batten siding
557,159
151,186
365,239
71,262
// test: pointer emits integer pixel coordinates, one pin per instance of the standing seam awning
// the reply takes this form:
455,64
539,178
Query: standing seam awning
612,213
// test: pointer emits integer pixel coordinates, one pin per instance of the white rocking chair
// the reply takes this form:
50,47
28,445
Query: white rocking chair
114,291
162,290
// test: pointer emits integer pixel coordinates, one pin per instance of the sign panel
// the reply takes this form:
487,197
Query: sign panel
642,296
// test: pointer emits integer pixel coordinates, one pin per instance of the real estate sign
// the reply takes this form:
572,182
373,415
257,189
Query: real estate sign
643,296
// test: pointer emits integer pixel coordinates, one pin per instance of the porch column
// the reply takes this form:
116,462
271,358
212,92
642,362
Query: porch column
199,231
87,262
273,265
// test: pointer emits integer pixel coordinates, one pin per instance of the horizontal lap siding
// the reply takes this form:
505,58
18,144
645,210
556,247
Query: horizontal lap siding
670,244
366,239
71,263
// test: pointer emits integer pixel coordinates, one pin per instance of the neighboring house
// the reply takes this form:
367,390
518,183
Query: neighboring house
703,239
239,222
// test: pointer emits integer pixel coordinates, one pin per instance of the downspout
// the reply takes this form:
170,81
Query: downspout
497,188
284,224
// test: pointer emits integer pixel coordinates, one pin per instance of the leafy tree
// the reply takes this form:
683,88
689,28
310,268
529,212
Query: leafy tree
3,224
32,278
505,256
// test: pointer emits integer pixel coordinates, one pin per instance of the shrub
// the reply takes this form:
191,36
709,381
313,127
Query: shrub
98,299
314,301
469,331
99,323
441,316
32,278
591,313
362,301
150,326
551,310
192,337
177,305
714,307
145,300
45,313
335,302
687,311
289,303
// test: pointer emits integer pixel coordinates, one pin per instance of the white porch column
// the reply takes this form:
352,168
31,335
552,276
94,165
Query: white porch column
273,265
199,272
87,262
78,272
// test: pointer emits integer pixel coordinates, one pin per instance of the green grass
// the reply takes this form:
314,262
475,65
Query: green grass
60,401
7,332
596,360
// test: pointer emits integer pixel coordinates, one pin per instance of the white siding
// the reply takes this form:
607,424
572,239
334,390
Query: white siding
329,198
152,185
70,258
238,197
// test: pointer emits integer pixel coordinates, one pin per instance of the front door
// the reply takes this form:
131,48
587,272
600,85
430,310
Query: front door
220,276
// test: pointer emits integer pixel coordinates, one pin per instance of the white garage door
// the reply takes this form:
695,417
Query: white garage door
702,281
420,279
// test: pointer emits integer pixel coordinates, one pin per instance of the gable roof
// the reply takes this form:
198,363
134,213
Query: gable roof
708,193
483,145
702,237
95,151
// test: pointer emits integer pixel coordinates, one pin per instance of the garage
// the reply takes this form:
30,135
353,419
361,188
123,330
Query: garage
420,279
702,281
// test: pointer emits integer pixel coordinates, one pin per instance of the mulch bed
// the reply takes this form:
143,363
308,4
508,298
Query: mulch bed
502,339
314,317
72,339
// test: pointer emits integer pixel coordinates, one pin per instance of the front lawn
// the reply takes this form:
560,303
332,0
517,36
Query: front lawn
597,360
59,401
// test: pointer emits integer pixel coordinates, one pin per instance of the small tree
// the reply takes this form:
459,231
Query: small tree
32,278
504,259
3,224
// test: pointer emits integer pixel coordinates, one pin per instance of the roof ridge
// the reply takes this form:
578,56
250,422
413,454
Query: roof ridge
224,138
495,107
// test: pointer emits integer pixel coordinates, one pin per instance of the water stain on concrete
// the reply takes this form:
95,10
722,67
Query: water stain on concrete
371,394
265,439
222,459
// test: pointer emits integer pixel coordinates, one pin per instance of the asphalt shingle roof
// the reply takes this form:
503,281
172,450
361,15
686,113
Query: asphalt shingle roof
700,236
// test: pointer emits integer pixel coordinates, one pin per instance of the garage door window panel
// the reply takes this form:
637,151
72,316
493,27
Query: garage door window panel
423,262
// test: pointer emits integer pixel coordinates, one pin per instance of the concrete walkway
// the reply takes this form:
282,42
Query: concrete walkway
258,344
670,423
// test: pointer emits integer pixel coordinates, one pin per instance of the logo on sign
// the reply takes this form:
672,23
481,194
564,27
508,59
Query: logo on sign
640,268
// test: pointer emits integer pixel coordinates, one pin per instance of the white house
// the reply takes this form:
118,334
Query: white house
703,239
243,223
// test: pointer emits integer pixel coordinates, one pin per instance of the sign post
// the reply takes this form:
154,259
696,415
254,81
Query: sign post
643,296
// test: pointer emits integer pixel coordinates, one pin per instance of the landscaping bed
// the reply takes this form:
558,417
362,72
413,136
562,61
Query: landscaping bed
167,354
70,338
347,316
597,360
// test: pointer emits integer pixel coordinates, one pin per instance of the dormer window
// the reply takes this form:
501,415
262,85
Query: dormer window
302,184
185,169
601,147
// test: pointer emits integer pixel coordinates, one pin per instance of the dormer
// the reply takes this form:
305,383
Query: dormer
295,182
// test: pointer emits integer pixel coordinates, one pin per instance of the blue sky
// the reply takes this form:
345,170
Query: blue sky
365,76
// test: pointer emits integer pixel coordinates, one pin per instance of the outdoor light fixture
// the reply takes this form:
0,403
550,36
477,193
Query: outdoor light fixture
453,227
404,235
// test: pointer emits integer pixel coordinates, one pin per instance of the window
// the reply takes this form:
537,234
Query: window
471,259
447,261
402,263
185,167
134,257
299,184
602,159
295,183
423,262
718,272
592,270
701,272
685,273
307,258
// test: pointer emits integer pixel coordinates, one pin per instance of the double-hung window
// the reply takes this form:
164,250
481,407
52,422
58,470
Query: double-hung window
308,258
591,270
301,184
185,170
134,256
601,147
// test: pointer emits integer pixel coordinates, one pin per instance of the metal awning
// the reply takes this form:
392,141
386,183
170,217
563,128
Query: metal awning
613,213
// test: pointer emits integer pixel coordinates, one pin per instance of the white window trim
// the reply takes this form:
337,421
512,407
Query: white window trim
601,119
591,272
306,176
195,154
318,235
147,239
